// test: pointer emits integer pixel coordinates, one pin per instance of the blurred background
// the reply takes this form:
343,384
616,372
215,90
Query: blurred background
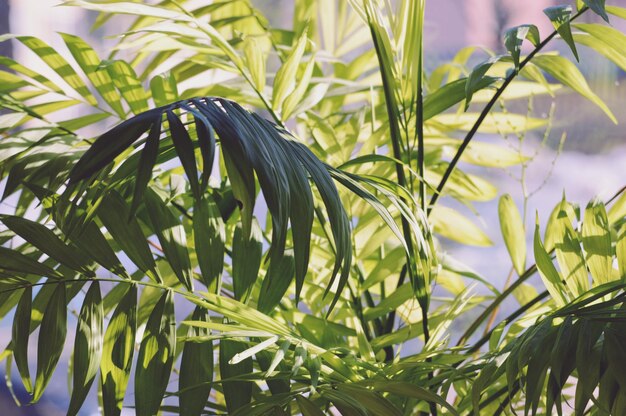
592,162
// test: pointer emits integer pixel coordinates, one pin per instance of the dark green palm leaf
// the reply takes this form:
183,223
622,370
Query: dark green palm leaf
250,145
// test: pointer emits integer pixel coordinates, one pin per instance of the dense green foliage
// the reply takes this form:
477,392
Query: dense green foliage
300,254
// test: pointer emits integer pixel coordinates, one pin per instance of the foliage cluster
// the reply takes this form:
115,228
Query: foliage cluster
294,295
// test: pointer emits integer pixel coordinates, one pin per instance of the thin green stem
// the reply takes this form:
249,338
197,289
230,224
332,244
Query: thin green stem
396,143
519,312
470,135
497,301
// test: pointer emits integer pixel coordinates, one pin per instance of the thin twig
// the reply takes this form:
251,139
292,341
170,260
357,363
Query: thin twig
470,135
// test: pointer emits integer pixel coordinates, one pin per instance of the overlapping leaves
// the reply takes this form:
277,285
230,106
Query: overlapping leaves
252,148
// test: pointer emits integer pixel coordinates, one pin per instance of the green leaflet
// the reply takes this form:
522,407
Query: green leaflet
560,18
276,282
513,232
451,224
547,271
10,82
89,62
125,230
246,256
196,369
598,7
236,393
156,357
339,223
241,177
111,144
15,262
371,400
45,240
514,37
206,141
285,80
268,161
125,80
148,158
596,240
87,347
295,97
20,335
617,11
568,251
255,62
411,391
89,239
51,340
17,67
209,235
620,251
602,48
164,89
184,148
117,352
307,407
604,37
476,79
567,73
58,65
171,235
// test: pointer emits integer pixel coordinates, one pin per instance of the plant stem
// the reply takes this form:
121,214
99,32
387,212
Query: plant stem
525,276
396,141
494,314
508,320
470,135
420,145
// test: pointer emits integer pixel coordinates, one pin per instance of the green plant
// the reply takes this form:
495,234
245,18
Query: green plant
314,306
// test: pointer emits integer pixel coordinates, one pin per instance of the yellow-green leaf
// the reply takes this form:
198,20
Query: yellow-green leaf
285,80
451,224
513,232
209,235
196,369
567,73
87,347
255,62
51,340
20,335
236,393
596,239
117,352
620,252
560,18
547,271
171,235
568,251
156,357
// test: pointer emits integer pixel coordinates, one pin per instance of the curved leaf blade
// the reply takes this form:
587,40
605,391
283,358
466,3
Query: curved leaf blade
596,240
171,235
125,230
51,340
196,369
560,18
209,233
87,347
156,357
117,352
566,72
246,256
513,232
20,335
